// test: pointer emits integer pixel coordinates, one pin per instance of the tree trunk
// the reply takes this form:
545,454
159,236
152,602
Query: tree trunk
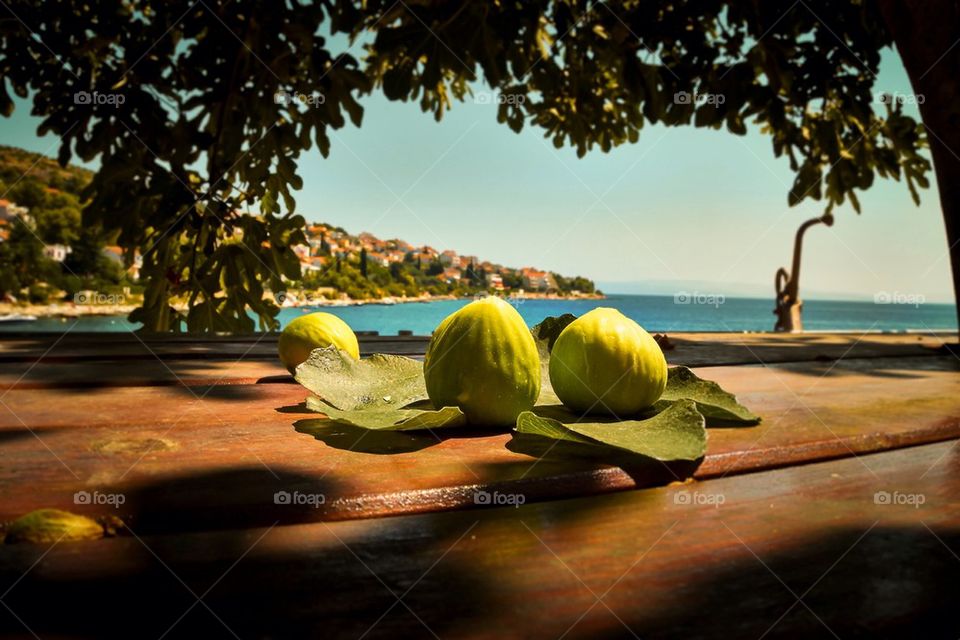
926,33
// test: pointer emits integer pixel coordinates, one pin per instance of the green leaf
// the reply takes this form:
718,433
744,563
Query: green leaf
384,418
549,329
719,407
675,434
379,382
547,422
6,104
372,393
545,334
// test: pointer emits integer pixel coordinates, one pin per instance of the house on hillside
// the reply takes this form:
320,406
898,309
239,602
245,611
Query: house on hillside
449,259
316,263
495,281
115,253
450,274
378,258
368,241
57,252
538,280
10,210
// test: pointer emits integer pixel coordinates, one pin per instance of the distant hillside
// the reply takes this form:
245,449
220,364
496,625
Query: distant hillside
20,164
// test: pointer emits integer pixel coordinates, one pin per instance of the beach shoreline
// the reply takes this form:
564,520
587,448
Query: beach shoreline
72,310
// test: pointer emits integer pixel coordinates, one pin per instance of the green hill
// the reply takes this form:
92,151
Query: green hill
19,166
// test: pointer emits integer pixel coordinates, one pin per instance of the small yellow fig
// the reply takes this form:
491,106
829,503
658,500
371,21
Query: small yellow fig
51,525
315,331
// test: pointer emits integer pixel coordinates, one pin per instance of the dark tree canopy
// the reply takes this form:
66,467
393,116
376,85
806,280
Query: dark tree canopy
198,111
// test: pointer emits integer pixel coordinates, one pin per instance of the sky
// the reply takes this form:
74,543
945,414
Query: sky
682,209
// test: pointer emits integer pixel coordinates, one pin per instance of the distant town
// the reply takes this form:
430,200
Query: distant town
48,258
337,265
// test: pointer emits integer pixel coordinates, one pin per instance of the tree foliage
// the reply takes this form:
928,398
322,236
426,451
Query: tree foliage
213,103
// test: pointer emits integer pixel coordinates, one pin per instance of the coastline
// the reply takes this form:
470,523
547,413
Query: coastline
71,310
660,314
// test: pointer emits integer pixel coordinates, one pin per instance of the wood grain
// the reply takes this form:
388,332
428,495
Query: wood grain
188,459
799,552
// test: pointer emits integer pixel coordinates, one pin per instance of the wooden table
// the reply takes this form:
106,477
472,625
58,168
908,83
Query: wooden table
838,516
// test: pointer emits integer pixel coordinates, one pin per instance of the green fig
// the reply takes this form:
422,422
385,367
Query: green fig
483,359
603,362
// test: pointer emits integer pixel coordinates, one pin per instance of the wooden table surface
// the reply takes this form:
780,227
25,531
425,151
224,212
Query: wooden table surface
837,516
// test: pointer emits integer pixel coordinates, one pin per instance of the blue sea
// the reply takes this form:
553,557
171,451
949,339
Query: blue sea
655,313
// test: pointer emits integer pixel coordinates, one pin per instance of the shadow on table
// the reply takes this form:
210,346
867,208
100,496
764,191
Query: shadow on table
204,557
896,368
819,355
895,582
235,497
485,572
106,375
257,583
347,437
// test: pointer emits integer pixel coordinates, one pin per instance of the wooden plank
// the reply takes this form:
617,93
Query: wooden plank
720,349
101,362
103,375
69,348
717,347
127,364
801,552
185,463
